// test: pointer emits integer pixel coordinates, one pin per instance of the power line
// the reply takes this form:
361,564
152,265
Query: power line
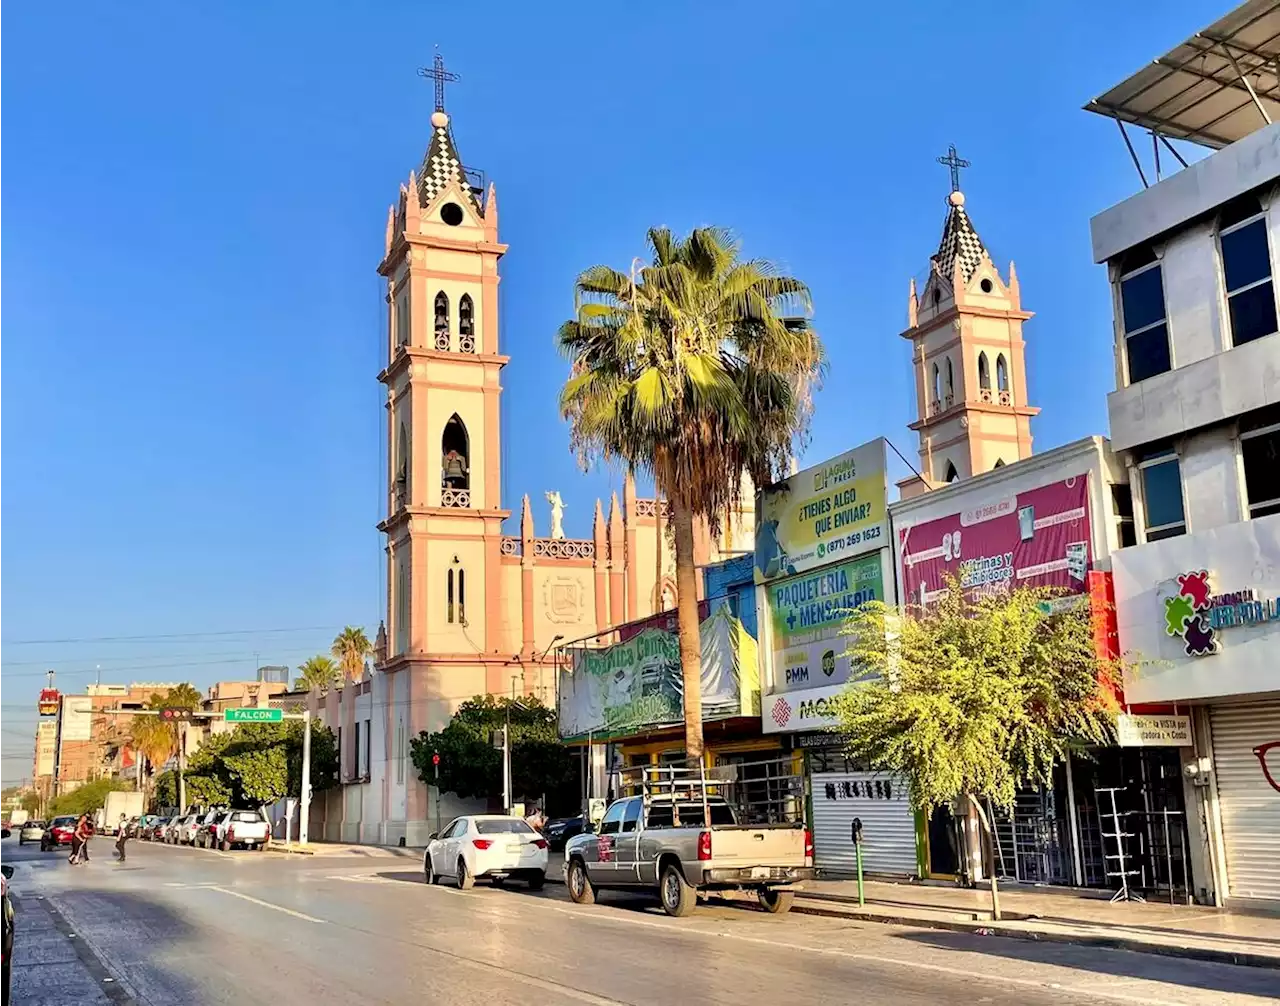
134,668
170,635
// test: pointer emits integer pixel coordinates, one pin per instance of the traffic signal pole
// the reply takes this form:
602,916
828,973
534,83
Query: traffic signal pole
182,767
304,809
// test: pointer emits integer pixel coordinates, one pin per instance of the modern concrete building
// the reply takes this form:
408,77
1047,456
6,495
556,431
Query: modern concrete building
1196,419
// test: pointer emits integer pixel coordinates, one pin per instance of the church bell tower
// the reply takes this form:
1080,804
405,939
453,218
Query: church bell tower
967,350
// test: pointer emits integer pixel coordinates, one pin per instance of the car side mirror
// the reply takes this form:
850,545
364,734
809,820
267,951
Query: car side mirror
433,836
7,870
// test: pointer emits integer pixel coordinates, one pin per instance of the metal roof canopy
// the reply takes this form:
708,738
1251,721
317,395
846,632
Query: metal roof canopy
1220,85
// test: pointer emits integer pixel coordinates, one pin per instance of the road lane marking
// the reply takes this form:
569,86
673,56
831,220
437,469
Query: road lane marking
267,904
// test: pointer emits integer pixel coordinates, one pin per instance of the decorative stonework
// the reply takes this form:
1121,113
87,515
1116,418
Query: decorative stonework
466,344
512,546
442,340
563,598
649,507
455,497
563,548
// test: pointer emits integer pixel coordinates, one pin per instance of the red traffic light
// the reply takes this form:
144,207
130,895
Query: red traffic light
171,714
435,759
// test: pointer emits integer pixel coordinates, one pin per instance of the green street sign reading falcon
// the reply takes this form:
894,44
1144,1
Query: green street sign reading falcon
253,715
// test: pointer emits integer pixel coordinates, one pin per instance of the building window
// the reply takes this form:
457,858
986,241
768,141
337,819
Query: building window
466,325
462,597
365,750
952,474
951,382
984,372
402,320
1246,269
449,595
402,467
402,605
1260,452
441,324
1122,504
455,472
937,386
400,733
1002,374
1146,336
355,753
1162,494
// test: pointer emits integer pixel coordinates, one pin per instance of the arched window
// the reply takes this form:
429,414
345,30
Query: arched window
402,320
455,466
952,474
402,466
449,594
462,596
1002,374
466,324
984,372
951,381
441,325
937,384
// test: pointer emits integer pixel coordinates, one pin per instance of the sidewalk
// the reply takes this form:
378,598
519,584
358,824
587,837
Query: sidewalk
1048,915
344,849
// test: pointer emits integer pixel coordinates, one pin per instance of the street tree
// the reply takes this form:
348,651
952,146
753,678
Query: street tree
695,369
975,698
318,673
471,766
351,648
31,803
156,739
87,798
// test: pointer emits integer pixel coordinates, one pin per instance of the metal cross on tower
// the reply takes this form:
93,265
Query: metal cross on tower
439,74
953,160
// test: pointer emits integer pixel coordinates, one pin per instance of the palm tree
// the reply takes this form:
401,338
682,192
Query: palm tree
319,672
350,648
154,739
696,370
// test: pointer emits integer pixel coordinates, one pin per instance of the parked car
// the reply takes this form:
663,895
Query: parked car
6,926
486,845
245,828
685,846
154,829
206,835
59,832
131,826
184,832
168,831
32,831
561,829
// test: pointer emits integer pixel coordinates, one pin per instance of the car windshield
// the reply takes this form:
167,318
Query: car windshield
503,826
247,816
63,822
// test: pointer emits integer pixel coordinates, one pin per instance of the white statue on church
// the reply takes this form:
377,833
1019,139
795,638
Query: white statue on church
557,513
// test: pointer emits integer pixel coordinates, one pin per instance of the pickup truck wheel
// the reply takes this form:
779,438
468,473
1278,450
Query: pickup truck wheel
776,902
581,890
465,880
678,897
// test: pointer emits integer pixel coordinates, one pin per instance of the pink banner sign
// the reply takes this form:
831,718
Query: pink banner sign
1036,538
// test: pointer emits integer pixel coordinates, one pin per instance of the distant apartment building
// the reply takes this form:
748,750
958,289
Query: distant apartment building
91,742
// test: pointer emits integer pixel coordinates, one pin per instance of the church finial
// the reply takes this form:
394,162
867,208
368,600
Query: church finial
953,161
439,74
913,305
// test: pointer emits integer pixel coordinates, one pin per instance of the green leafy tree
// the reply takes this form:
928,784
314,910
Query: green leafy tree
31,803
256,764
87,798
351,647
471,766
975,698
696,370
156,739
318,673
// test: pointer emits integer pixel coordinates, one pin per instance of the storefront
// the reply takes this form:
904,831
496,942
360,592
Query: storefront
1201,614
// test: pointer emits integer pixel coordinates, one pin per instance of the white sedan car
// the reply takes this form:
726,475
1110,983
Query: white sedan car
486,845
32,831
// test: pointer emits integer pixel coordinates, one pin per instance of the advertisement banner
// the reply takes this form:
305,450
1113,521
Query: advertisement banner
1036,538
77,718
822,514
807,613
810,709
1143,731
636,685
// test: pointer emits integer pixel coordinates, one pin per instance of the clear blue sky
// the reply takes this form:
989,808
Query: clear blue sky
194,200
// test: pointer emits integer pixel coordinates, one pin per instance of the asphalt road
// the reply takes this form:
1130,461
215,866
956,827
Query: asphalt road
194,927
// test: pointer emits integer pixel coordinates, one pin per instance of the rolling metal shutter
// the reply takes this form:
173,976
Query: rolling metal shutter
888,824
1249,807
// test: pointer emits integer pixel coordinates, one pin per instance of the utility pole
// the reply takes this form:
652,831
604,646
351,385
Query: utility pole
182,767
304,809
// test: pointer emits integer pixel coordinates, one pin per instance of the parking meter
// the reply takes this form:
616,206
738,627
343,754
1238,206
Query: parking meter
856,832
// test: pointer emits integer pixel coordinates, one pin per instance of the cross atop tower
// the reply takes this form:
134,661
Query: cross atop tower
953,160
439,74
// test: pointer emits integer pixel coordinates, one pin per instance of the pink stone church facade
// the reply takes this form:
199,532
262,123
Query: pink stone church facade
474,605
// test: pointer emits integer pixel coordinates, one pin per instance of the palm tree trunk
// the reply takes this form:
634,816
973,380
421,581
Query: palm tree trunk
687,621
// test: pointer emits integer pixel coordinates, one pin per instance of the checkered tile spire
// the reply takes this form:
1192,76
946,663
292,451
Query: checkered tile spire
959,241
440,167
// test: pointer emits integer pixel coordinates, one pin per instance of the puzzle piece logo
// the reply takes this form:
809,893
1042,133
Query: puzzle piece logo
1185,614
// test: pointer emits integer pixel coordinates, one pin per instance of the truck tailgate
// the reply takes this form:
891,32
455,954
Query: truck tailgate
757,845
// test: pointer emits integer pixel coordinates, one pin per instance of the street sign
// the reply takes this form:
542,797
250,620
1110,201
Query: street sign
253,715
174,714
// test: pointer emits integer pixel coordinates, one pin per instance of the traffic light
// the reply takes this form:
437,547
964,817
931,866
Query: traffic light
172,714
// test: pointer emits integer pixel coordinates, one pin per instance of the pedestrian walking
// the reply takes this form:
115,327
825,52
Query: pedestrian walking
80,841
122,836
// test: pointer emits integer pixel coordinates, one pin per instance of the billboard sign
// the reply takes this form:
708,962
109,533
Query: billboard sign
823,514
1036,538
77,718
807,613
48,704
636,684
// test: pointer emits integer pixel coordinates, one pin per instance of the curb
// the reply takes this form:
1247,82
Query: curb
289,849
806,906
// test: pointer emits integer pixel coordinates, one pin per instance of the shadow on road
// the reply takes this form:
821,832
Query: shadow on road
1105,961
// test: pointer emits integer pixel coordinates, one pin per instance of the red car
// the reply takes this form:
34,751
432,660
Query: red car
59,832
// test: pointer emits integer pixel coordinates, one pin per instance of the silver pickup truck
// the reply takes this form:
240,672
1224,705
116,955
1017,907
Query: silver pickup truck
670,846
